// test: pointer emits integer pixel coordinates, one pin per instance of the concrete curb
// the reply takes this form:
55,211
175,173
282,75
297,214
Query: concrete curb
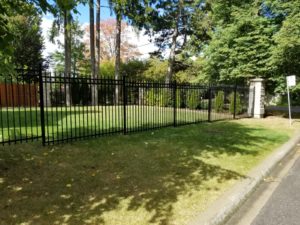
225,205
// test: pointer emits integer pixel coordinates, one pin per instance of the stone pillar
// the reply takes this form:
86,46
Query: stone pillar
256,107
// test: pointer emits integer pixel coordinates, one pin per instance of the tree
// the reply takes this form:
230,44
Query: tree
240,43
64,15
133,11
286,49
8,10
77,53
92,51
118,8
28,41
169,22
98,38
241,49
128,50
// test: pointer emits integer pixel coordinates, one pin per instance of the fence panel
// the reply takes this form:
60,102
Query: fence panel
191,104
149,105
62,108
92,108
19,110
228,102
242,102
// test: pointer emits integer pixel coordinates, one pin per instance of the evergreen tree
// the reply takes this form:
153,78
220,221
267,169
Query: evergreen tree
77,53
28,42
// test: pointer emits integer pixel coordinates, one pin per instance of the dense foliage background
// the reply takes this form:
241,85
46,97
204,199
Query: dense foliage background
217,41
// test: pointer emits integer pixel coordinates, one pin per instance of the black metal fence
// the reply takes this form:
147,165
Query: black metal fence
56,108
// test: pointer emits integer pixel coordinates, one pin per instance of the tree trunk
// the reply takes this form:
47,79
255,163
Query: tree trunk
92,50
174,43
97,69
118,55
67,46
172,56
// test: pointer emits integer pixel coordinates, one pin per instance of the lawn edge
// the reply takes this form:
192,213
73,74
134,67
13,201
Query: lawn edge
228,202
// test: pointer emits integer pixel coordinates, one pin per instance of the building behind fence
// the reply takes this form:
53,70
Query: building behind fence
54,108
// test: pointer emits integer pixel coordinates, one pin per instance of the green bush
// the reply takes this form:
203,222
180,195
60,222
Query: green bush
161,98
165,98
219,101
204,104
181,98
151,97
239,108
193,100
107,69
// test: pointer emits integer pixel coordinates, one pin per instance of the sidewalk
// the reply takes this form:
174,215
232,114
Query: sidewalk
277,199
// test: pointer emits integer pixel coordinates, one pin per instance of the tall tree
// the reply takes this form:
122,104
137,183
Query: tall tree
133,11
98,7
92,51
107,43
28,41
67,46
118,6
178,15
286,49
9,9
170,23
64,15
77,53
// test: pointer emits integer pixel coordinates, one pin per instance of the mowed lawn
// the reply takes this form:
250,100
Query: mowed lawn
77,121
165,176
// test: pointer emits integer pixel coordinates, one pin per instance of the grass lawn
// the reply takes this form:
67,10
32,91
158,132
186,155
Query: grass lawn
75,121
160,177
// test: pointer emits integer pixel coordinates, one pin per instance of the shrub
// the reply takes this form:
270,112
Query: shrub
161,98
152,97
204,104
181,98
219,101
193,100
238,109
164,98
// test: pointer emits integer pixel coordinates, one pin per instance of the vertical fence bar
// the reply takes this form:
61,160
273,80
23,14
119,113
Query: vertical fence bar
42,106
124,105
234,101
25,106
175,103
209,102
13,108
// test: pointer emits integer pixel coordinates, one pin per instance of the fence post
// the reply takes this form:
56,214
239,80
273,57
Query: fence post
175,103
42,110
124,105
209,103
234,101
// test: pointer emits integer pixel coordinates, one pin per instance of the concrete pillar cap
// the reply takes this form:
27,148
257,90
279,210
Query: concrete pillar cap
257,80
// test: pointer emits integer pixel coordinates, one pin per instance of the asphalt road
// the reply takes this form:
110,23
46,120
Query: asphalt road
277,199
283,207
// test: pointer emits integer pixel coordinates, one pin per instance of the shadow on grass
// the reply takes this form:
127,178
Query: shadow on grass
78,183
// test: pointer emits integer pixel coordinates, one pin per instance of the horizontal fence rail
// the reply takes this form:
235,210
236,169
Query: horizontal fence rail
57,108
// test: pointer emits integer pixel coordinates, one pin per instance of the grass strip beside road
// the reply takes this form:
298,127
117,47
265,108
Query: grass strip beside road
160,177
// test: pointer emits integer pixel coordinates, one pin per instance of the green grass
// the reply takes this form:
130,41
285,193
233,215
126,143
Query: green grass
160,177
63,122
